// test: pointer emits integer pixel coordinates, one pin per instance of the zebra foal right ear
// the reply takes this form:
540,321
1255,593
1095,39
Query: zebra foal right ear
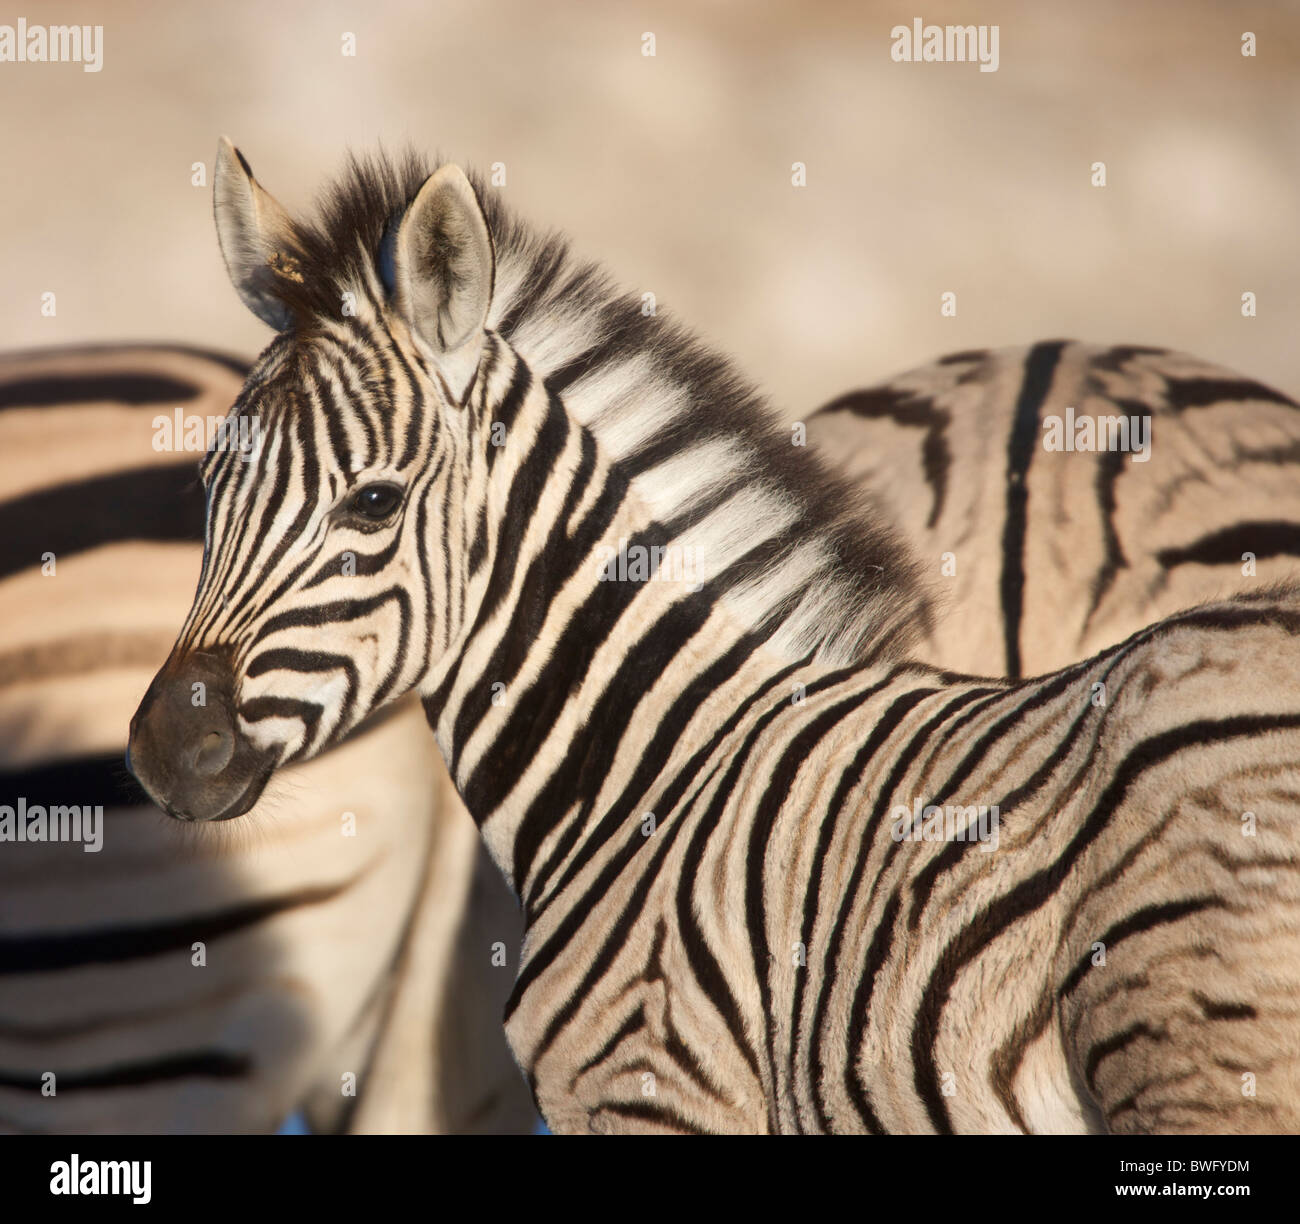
252,229
443,270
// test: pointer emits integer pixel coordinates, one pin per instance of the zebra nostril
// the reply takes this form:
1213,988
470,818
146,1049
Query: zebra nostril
214,753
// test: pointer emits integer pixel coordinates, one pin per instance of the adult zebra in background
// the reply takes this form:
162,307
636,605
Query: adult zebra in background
694,784
1047,556
325,954
1043,555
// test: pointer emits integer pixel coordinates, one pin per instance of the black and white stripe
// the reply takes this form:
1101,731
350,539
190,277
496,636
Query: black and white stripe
765,954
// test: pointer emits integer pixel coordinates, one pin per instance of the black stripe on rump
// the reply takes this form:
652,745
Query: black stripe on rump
1039,368
163,504
1183,393
1263,538
1147,918
913,411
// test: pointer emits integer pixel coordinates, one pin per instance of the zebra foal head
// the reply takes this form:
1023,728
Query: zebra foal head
328,584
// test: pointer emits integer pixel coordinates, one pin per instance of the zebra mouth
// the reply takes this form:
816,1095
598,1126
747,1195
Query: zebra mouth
240,807
192,759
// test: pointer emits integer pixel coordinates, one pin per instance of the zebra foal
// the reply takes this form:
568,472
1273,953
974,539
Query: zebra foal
716,798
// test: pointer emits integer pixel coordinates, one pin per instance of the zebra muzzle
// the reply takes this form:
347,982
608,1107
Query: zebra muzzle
186,749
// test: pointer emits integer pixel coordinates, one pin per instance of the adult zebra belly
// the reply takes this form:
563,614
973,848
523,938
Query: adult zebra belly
155,977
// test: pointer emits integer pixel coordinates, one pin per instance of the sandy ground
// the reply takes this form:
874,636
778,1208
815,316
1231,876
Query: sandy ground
676,169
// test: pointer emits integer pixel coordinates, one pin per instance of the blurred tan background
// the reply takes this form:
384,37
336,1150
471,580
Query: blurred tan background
676,169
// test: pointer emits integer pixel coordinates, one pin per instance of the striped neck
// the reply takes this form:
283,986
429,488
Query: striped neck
685,429
617,509
608,603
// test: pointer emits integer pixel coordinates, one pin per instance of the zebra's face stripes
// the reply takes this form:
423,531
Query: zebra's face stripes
329,583
312,608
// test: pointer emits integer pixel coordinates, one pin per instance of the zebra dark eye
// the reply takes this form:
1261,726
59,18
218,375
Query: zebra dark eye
375,501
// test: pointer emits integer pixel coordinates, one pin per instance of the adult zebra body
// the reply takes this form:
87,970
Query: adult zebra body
1045,555
324,955
694,785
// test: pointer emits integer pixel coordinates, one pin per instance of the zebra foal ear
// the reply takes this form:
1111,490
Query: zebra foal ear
251,228
443,270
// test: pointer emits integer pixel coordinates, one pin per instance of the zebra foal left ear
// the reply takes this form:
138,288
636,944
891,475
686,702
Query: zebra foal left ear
252,230
443,270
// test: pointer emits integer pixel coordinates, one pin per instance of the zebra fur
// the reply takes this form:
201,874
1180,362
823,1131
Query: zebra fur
768,717
1041,557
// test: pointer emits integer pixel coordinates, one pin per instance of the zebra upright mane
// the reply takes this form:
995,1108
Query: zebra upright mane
679,420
